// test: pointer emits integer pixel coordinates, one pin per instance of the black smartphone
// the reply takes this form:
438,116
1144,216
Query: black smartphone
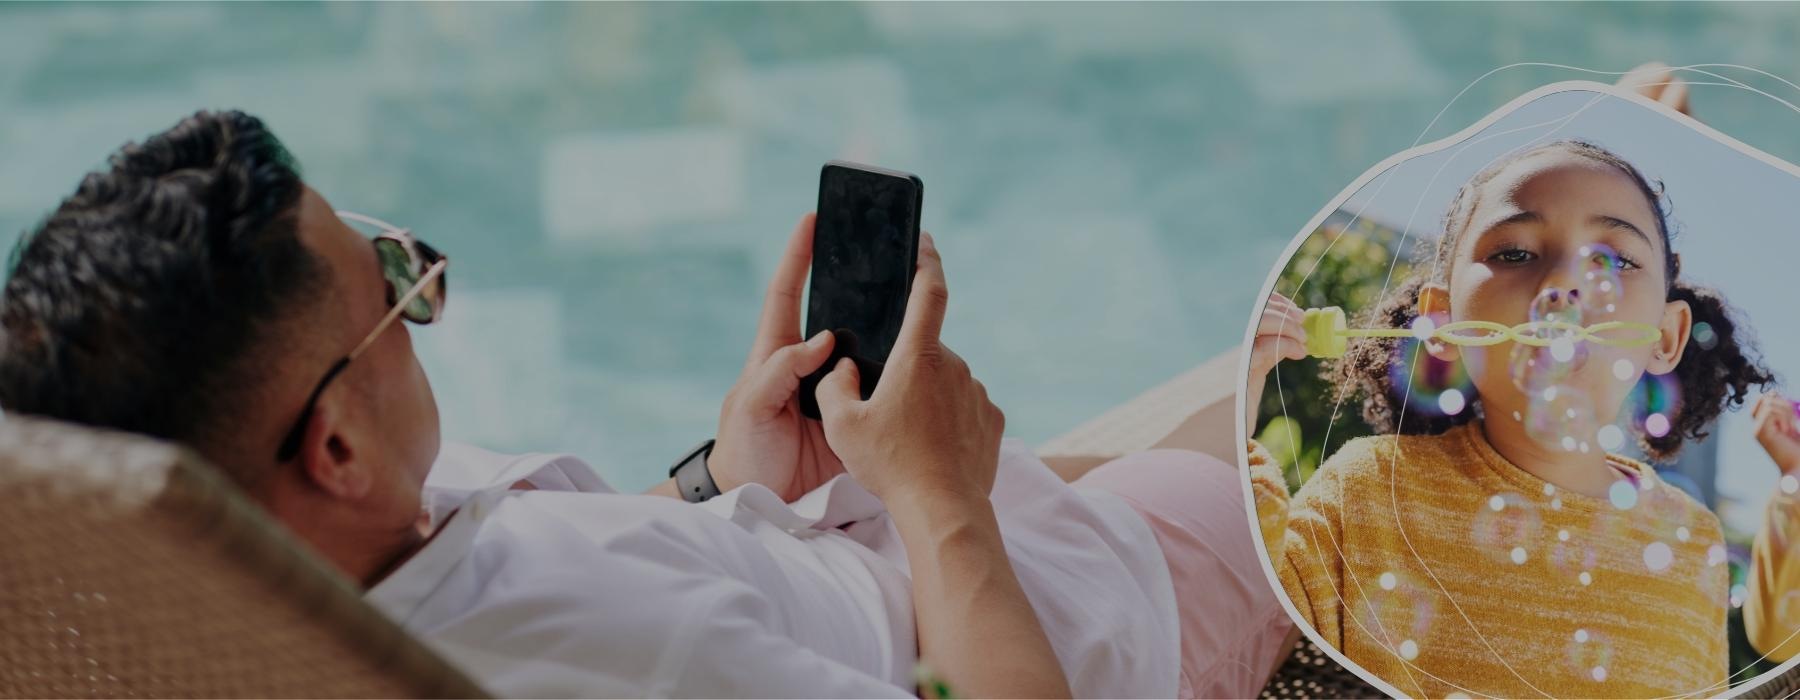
865,246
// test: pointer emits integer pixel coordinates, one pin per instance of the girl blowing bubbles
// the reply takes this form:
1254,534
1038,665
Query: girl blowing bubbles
1486,541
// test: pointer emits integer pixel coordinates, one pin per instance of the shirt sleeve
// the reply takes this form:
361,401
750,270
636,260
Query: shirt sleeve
1301,535
689,637
1773,605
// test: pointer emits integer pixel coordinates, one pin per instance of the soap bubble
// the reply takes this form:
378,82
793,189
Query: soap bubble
1611,438
1597,282
1589,653
1509,533
1658,556
1560,416
1666,516
1574,557
1703,335
1430,385
1654,402
1623,494
1397,607
1553,353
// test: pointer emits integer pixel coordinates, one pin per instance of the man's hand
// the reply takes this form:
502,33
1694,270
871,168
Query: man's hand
763,438
929,428
1778,429
1657,81
1279,336
927,443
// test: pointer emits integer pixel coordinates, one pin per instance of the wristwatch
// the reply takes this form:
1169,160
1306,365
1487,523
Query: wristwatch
692,478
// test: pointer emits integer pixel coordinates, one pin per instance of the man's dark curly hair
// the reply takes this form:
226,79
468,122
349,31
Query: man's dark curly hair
143,302
1715,372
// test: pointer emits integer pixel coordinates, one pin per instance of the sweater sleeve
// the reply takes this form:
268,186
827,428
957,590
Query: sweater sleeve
1773,605
1303,535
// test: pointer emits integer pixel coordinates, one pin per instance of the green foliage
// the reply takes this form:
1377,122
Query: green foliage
1341,267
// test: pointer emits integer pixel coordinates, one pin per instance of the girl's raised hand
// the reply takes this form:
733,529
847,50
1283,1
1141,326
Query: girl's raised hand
1778,429
1279,336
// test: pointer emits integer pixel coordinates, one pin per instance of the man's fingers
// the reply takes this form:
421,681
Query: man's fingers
839,392
775,381
925,306
1676,95
780,323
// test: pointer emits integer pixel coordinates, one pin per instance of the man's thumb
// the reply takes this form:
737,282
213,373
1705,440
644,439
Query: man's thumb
839,390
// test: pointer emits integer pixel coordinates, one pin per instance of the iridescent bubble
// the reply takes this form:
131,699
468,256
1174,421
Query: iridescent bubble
1399,607
1658,556
1451,402
1553,355
1789,484
1590,653
1507,532
1623,370
1572,558
1562,416
1654,402
1738,593
1623,494
1665,516
1598,284
1430,385
1409,650
1703,335
1611,438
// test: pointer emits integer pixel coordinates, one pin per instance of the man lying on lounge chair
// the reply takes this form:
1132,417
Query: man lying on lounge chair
197,290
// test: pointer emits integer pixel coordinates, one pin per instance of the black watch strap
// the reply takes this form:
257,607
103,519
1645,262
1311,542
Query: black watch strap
692,478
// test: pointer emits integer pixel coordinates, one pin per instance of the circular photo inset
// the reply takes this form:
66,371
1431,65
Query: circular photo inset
1516,414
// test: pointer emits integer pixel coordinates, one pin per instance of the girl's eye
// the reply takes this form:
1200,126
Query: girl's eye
1616,261
1513,256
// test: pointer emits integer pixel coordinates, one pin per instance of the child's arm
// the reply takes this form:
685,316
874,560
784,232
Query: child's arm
1774,565
1302,536
1290,526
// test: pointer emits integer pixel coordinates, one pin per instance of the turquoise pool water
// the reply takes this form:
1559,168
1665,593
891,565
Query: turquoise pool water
1109,184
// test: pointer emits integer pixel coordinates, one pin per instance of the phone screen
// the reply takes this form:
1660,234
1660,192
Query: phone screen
865,245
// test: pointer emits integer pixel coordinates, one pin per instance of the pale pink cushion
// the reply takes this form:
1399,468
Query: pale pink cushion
1233,628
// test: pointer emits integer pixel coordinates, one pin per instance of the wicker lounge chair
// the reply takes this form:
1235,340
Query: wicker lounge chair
129,568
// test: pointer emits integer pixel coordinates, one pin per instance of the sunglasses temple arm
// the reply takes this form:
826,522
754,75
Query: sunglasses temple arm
437,269
290,445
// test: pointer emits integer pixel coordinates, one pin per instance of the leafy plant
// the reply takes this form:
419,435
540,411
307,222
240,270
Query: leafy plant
1344,263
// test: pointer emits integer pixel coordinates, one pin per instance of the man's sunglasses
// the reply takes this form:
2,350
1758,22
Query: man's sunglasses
415,286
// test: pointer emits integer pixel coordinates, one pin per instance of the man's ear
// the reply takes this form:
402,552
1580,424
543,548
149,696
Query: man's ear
1677,323
327,457
1434,302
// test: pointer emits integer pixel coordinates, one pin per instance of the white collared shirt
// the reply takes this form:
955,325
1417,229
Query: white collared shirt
576,590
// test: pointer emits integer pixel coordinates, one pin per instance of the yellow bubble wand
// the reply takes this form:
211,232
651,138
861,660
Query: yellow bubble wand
1328,333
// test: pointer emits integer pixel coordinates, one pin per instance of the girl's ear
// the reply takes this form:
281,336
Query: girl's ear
1677,322
1434,303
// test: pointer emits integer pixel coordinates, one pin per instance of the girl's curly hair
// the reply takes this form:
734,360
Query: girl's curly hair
1716,369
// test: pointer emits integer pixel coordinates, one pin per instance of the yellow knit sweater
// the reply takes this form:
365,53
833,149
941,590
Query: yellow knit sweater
1440,567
